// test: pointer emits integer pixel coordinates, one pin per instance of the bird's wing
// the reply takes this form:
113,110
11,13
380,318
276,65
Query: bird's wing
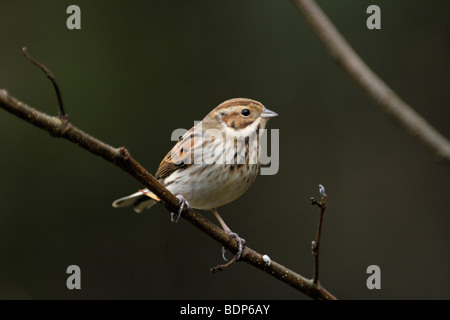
181,155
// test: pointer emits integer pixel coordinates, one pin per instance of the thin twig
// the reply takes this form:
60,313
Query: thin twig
372,85
49,75
315,246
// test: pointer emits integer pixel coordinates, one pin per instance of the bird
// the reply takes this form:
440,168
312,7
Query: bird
213,163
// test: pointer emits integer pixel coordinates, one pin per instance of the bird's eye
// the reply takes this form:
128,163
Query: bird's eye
245,112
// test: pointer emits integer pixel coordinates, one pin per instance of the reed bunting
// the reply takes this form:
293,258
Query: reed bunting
213,163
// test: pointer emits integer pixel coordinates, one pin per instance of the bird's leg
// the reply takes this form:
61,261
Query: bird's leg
240,241
183,203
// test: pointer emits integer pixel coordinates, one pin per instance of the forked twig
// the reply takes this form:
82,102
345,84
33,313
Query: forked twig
49,75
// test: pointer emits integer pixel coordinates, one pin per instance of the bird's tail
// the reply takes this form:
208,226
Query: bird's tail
143,199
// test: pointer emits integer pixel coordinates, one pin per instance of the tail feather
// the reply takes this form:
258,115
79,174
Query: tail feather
143,199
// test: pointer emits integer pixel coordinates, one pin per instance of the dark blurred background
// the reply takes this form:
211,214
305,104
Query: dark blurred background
137,70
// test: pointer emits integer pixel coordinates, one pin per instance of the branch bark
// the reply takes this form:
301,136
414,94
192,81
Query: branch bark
61,127
371,84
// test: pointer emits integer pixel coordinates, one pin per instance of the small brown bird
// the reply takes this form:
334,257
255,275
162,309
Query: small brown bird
213,163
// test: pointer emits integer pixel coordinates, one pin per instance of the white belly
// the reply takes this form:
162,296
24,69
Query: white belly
211,186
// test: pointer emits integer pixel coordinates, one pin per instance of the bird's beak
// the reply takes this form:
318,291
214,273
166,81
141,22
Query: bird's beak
268,113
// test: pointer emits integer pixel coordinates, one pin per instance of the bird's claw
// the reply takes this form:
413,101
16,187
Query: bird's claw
241,245
184,204
223,254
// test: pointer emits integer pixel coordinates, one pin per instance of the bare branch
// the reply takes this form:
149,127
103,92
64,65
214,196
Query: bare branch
371,84
121,158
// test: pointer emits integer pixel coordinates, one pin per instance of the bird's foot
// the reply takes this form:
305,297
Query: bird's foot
183,205
237,256
241,245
